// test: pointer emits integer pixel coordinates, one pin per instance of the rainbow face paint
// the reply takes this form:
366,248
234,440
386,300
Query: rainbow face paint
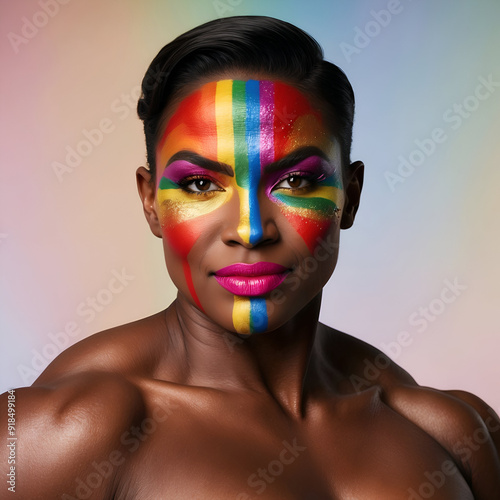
229,144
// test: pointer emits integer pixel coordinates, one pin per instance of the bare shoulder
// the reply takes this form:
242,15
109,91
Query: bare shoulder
73,425
465,426
359,365
131,349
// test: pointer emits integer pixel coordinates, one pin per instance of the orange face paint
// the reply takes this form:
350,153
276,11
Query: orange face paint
247,127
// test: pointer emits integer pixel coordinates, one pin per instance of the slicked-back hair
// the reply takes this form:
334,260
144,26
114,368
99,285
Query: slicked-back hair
250,44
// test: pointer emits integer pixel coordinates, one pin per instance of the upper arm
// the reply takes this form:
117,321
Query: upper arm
487,414
481,444
65,431
464,425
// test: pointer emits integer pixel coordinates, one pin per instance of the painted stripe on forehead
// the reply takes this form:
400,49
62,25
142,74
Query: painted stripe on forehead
238,117
253,137
224,121
240,131
192,127
267,110
296,121
241,172
227,133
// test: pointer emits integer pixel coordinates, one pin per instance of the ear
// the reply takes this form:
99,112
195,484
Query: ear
146,187
353,188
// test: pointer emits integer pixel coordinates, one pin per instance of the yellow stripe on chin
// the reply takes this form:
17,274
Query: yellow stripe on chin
241,315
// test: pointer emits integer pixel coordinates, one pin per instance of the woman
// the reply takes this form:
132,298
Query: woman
236,390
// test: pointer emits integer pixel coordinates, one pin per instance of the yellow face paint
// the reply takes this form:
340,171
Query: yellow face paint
241,315
225,136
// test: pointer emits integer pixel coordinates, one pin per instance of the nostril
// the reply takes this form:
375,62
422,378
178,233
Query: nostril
270,233
256,234
267,236
247,225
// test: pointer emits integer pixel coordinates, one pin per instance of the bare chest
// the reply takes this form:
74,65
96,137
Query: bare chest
355,456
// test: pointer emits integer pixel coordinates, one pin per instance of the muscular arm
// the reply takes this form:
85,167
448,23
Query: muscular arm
468,432
464,425
69,435
480,445
487,414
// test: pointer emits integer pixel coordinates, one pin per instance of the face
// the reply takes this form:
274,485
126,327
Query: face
249,197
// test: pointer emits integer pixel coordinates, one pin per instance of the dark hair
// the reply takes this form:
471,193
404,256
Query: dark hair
252,44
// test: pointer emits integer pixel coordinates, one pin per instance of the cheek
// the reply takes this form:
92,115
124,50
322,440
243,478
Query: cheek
181,236
309,229
182,217
180,232
311,215
182,222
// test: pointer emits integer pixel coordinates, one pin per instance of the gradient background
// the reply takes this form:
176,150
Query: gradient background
61,240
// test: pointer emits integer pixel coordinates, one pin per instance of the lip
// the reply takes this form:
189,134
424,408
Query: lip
251,280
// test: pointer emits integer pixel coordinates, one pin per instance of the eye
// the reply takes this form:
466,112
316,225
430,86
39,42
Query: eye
199,185
294,181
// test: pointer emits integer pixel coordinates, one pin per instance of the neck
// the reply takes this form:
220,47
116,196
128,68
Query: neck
275,363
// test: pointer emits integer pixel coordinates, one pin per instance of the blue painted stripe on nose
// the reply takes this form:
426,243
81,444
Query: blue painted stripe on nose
252,127
258,315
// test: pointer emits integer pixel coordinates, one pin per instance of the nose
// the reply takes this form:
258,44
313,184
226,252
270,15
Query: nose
250,227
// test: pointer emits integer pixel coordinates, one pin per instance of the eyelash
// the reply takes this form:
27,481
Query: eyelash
311,180
184,183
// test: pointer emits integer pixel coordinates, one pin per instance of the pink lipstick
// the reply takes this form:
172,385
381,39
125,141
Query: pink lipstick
251,280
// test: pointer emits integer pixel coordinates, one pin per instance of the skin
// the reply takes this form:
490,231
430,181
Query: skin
255,155
183,405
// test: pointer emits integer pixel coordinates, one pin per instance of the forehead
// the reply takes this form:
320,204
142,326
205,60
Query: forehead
245,115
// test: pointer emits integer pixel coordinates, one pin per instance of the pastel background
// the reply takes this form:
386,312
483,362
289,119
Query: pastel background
65,237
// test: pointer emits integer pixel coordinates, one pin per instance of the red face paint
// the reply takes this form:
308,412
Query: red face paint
248,126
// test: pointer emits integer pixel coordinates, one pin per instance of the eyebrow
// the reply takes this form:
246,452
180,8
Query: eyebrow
282,164
295,157
201,161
